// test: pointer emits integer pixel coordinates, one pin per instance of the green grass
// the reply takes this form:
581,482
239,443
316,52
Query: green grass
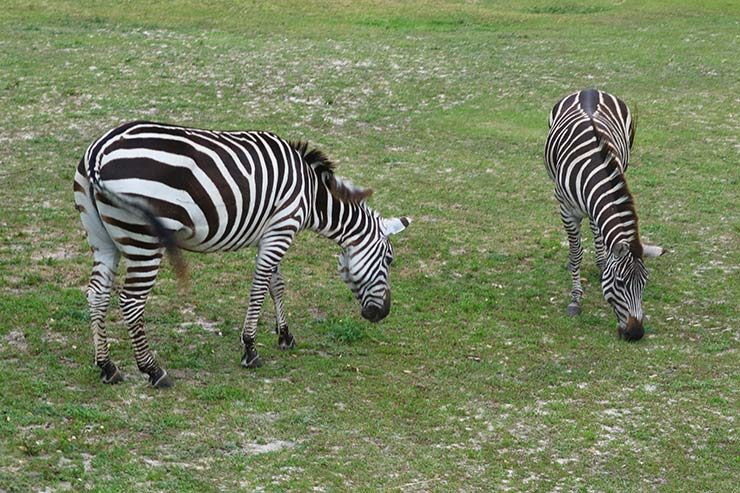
477,381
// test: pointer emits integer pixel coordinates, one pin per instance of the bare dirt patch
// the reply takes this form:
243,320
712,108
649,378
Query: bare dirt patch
16,340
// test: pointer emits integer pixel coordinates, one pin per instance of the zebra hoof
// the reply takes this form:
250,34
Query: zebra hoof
109,374
251,359
160,380
574,309
286,342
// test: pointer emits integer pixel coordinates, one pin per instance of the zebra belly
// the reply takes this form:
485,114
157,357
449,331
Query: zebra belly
188,238
196,228
226,233
569,203
204,216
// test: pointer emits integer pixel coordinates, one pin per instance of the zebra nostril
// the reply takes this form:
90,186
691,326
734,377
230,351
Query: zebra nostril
371,313
634,330
375,313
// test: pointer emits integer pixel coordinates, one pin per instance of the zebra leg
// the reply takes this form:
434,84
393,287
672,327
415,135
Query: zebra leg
105,263
140,277
572,226
277,289
599,246
269,255
260,282
98,299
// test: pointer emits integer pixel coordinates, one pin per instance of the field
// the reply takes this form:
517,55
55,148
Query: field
477,381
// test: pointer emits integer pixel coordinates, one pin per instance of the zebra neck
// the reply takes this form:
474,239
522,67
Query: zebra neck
615,216
343,222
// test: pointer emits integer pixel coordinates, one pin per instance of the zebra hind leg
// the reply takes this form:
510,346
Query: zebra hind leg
141,273
105,263
98,298
277,289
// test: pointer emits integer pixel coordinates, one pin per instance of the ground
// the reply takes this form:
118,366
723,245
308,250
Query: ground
478,380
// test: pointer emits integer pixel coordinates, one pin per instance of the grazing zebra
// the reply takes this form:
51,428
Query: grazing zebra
586,154
144,188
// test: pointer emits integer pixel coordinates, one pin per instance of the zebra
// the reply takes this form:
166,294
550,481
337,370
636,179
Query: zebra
144,188
586,154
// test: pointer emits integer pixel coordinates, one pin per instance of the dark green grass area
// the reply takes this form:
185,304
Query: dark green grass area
477,381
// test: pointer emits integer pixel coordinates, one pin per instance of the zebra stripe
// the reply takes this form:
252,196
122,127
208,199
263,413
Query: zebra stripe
143,188
587,154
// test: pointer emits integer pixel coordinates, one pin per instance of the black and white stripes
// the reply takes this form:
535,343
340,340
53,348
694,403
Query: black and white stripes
587,153
146,187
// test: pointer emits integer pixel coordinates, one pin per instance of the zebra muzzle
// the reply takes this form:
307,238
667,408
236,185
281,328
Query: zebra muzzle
633,331
376,313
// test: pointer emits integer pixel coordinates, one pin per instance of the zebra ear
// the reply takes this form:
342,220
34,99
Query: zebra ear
620,249
395,225
652,250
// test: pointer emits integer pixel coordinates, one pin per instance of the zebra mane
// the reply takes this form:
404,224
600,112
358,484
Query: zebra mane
340,188
608,149
628,203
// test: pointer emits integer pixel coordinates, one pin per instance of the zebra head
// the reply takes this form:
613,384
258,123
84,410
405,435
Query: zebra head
365,267
623,281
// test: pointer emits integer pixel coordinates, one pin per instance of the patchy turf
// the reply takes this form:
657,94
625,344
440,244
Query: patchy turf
477,381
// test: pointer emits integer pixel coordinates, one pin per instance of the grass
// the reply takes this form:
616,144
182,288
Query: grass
477,381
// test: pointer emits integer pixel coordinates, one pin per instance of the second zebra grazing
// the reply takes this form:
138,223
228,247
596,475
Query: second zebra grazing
145,188
587,153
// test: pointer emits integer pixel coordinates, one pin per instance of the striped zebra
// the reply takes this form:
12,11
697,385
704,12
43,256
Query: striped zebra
587,153
143,188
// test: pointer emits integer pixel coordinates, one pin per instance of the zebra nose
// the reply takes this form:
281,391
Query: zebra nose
376,313
634,330
373,313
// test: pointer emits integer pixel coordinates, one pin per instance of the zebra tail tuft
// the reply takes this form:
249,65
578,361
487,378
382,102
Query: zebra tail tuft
169,242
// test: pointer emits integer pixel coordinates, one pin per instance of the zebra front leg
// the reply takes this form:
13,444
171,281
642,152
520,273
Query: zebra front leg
572,226
261,280
277,289
598,246
270,253
98,299
140,277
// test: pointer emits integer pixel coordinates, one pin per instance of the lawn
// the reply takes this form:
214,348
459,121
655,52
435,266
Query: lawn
477,381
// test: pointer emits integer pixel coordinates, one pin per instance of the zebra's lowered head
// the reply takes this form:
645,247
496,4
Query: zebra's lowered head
623,281
341,212
365,266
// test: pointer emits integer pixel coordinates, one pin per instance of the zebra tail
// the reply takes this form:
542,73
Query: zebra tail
166,236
